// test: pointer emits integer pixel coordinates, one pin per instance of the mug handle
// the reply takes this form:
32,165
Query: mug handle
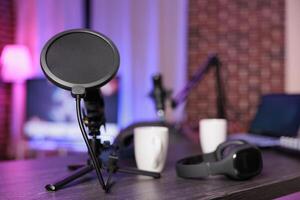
158,146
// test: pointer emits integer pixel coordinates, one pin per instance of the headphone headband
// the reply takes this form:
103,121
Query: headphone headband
201,166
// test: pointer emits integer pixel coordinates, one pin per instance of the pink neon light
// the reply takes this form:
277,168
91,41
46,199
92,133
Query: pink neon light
16,63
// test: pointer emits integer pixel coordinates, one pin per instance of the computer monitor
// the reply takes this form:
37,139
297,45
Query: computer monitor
277,115
51,121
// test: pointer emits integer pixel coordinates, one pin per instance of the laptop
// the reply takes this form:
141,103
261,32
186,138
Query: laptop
277,115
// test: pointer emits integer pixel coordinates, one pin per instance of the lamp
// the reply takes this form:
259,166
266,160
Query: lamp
16,63
15,68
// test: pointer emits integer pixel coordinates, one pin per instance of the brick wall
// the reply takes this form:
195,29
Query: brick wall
248,36
7,30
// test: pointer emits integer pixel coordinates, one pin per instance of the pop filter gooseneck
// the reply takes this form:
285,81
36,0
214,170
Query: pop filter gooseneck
79,60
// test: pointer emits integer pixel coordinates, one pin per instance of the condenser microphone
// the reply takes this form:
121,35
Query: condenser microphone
159,95
94,108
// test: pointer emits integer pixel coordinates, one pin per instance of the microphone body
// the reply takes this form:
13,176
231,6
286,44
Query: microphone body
159,95
94,107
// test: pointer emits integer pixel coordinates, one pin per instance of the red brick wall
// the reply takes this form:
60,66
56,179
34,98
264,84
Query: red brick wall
248,36
7,30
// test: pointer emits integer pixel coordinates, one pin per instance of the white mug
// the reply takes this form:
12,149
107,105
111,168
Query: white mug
212,132
151,147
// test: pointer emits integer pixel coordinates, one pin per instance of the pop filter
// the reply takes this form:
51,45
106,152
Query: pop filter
80,58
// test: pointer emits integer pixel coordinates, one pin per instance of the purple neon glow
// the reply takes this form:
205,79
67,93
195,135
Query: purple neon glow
16,63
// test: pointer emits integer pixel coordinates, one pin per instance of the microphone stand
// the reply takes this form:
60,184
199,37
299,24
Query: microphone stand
212,61
93,120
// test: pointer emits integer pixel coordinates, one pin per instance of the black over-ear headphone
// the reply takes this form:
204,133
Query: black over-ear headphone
236,158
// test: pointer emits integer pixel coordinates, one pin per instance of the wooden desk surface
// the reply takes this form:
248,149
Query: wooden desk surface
26,180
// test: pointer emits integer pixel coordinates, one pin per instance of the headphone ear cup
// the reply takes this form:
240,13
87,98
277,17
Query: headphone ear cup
223,146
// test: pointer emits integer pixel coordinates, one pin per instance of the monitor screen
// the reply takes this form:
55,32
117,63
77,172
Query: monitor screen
51,121
277,115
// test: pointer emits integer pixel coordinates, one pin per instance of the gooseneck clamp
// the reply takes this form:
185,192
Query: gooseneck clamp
94,158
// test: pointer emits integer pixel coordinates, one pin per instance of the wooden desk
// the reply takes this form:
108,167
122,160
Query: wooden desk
26,180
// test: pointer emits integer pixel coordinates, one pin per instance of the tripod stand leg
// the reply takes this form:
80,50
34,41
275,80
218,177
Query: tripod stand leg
58,185
139,172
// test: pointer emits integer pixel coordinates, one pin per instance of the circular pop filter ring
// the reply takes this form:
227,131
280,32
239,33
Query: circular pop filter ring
80,57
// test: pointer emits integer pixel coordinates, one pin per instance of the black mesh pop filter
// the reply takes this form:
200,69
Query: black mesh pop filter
80,57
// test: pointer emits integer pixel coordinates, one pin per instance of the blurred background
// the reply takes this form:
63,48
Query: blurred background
256,41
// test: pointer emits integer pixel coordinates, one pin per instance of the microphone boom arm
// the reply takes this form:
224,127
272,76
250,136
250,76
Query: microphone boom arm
212,60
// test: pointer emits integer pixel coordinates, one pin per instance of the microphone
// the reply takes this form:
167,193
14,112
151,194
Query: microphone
94,107
159,95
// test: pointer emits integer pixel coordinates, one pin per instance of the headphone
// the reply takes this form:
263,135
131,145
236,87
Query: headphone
236,159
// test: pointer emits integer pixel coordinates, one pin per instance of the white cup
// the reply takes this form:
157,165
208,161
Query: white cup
151,147
212,132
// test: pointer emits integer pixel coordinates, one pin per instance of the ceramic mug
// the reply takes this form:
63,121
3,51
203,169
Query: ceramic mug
151,147
212,132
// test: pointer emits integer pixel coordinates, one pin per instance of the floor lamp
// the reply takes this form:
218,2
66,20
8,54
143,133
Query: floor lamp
15,68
